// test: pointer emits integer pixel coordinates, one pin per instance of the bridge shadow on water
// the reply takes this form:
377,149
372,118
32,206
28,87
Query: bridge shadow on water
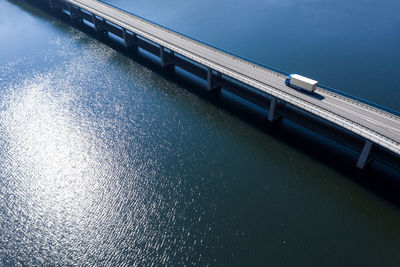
377,178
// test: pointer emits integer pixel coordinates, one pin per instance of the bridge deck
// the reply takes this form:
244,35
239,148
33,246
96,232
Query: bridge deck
376,125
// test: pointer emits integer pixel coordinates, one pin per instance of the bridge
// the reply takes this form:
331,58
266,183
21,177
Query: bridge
372,130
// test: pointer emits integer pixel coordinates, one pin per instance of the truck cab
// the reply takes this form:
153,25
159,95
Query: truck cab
287,80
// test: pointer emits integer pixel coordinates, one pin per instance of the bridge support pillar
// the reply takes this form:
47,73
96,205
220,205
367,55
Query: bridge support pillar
210,85
53,5
73,13
364,160
127,40
272,116
99,25
165,61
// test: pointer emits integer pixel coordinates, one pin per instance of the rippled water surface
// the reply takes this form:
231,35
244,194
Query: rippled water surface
108,161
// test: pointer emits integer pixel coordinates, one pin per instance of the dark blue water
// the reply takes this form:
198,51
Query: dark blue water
107,161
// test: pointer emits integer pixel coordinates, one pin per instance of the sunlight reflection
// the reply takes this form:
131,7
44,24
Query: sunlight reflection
78,170
48,143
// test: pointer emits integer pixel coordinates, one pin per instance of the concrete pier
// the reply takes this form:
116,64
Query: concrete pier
164,57
363,160
211,86
272,116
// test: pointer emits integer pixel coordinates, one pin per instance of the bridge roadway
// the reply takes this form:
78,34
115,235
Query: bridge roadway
376,125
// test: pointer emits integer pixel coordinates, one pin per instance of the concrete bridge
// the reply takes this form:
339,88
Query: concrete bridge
372,130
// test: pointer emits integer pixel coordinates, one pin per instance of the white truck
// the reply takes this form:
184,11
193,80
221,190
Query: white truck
300,82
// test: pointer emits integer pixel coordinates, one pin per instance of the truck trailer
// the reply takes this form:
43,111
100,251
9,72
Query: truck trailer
300,82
